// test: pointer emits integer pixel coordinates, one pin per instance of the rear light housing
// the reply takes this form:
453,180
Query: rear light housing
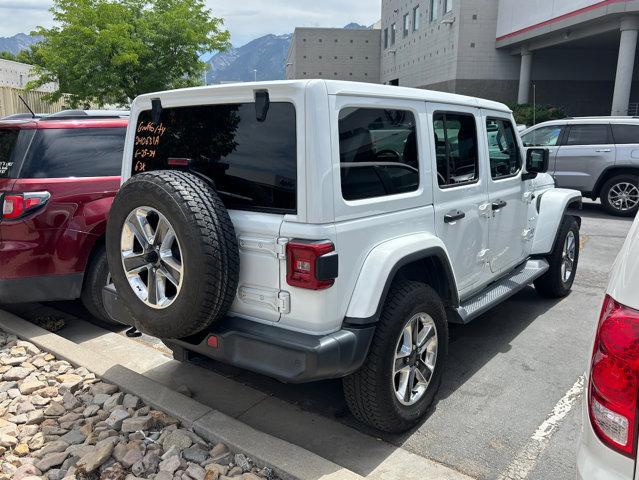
613,391
311,264
18,205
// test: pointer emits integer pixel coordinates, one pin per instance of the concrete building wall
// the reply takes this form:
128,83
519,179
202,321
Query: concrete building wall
516,15
17,75
455,52
427,57
335,53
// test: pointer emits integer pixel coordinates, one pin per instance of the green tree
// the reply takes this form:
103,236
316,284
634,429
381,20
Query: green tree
528,115
7,56
110,51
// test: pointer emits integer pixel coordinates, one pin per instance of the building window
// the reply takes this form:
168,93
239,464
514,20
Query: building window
448,6
393,33
416,18
406,26
434,6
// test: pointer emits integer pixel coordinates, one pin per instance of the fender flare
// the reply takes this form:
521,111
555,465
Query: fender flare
382,264
551,207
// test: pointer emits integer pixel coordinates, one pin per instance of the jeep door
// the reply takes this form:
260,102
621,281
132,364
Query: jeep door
585,153
506,192
460,191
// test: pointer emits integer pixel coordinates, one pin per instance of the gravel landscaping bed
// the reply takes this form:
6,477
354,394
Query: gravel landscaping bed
57,421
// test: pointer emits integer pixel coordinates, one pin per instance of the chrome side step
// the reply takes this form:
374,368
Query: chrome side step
502,289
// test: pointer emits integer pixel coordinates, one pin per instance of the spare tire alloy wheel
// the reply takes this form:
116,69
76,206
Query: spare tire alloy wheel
173,253
152,257
415,359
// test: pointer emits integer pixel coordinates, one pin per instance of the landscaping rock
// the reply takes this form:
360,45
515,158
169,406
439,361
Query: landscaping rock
58,422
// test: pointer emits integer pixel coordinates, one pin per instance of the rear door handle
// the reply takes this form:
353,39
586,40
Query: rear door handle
603,150
453,216
498,205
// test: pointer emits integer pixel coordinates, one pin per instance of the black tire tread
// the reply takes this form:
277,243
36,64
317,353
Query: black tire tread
95,277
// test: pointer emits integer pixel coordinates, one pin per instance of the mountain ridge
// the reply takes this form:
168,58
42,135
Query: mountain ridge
17,43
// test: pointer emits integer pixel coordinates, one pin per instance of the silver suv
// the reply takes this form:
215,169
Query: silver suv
597,155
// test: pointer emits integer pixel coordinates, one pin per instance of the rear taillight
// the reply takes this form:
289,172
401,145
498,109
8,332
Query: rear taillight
614,377
311,264
17,205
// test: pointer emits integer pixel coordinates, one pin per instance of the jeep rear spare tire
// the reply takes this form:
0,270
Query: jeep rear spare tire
173,253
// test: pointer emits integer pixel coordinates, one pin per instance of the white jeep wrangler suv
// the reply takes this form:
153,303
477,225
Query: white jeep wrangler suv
317,229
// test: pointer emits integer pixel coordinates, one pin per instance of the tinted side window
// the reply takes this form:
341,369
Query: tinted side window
625,134
75,152
503,149
253,164
456,146
378,152
588,135
543,137
8,141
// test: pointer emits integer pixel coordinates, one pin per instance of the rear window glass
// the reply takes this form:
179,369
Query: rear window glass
8,141
253,164
75,152
589,135
625,134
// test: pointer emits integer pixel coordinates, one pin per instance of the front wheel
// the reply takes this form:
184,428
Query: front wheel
620,195
557,281
402,373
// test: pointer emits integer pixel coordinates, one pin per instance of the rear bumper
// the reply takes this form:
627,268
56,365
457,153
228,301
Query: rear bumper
276,352
43,288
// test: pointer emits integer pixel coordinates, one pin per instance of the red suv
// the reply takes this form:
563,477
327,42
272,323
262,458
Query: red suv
58,177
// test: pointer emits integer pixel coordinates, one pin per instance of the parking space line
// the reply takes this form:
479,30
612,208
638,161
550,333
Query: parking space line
526,458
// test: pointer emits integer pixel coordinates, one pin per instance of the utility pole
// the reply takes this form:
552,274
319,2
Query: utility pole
534,103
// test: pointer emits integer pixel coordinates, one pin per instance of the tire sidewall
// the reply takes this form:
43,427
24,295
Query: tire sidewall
170,319
608,186
409,308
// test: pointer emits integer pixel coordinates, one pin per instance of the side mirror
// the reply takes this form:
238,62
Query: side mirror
536,162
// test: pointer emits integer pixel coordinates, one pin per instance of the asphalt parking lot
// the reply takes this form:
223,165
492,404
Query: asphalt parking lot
496,416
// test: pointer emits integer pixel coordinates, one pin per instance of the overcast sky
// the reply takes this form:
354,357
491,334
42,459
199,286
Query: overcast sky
246,19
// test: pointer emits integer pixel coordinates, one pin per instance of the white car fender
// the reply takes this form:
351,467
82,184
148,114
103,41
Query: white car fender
552,206
382,263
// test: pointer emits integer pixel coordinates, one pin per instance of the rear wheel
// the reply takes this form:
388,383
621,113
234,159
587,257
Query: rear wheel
402,373
557,281
96,277
620,195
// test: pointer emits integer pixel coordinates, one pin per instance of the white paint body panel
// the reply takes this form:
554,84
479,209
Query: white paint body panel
370,235
595,460
379,263
553,205
624,278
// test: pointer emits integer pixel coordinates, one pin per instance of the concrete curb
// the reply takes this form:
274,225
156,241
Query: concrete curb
289,461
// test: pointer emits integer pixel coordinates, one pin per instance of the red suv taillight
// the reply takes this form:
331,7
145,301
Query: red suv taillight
311,264
16,205
614,377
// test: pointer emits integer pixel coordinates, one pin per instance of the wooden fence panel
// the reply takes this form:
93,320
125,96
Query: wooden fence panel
10,102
